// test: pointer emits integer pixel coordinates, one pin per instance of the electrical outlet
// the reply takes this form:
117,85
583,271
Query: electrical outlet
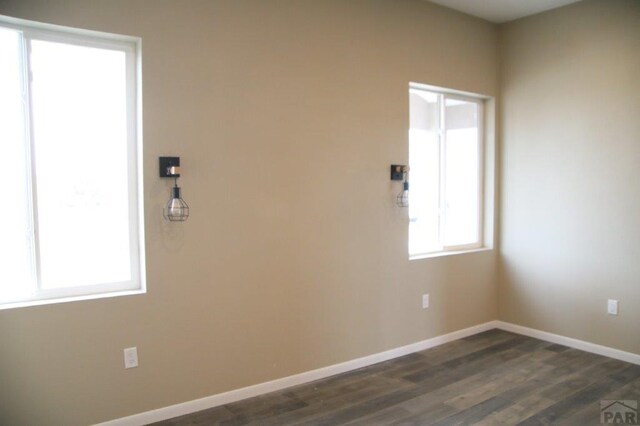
131,357
612,307
425,301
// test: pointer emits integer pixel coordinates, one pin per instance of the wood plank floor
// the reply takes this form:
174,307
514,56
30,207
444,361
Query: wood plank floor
491,378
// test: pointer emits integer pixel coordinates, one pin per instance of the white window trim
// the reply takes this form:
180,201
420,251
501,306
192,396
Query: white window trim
132,46
485,183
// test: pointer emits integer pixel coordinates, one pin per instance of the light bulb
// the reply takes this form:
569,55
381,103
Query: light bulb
402,200
176,210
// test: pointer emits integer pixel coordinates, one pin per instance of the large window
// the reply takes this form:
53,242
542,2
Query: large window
445,159
70,221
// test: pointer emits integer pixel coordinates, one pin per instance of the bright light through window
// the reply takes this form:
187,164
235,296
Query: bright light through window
80,122
445,173
69,133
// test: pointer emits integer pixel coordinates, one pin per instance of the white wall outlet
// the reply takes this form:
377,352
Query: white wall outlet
612,307
425,301
131,357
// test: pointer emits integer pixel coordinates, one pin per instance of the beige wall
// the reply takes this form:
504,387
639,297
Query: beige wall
287,115
571,172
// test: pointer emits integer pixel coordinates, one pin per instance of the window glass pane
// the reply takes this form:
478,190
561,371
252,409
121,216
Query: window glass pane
16,253
461,173
80,139
424,164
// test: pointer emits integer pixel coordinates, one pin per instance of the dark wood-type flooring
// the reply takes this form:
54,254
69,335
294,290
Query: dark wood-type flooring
491,378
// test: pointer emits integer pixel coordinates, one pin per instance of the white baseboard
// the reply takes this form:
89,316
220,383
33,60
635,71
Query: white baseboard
321,373
568,341
297,379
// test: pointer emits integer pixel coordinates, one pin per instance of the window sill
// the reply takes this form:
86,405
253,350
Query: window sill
27,303
448,253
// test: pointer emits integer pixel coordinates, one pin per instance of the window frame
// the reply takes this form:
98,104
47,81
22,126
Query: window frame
482,102
131,47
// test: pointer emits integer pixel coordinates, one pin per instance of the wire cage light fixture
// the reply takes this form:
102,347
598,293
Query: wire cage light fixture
176,209
401,173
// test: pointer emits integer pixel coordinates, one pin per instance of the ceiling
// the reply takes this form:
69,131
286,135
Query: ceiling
500,11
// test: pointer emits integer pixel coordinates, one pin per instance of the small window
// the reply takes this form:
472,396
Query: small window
445,159
71,222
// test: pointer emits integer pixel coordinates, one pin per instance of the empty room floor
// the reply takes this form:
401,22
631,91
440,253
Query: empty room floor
491,378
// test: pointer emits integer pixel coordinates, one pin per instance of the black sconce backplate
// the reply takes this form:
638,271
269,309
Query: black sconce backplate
165,165
397,171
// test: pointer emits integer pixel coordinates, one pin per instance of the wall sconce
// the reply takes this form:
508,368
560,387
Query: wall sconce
400,172
176,210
